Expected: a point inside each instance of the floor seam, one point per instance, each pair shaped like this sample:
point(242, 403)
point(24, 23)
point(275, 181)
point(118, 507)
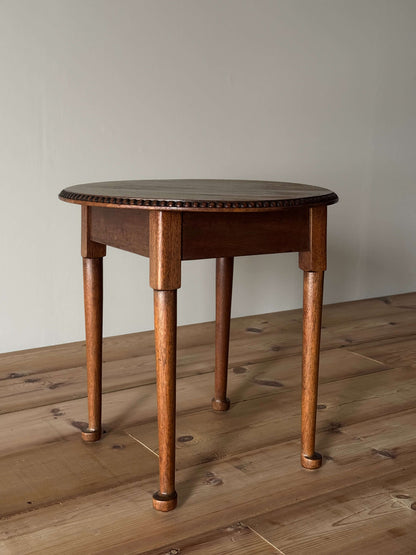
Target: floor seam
point(366, 357)
point(143, 444)
point(263, 538)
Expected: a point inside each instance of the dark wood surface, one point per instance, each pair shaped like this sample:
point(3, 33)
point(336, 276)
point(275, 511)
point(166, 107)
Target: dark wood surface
point(93, 303)
point(193, 219)
point(123, 229)
point(165, 237)
point(312, 314)
point(89, 247)
point(223, 295)
point(165, 498)
point(204, 234)
point(218, 235)
point(199, 194)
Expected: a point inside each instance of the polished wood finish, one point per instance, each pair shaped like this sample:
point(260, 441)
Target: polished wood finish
point(89, 248)
point(124, 229)
point(165, 250)
point(209, 195)
point(224, 235)
point(165, 340)
point(60, 495)
point(165, 239)
point(93, 303)
point(313, 263)
point(312, 310)
point(92, 253)
point(171, 221)
point(313, 259)
point(224, 285)
point(205, 235)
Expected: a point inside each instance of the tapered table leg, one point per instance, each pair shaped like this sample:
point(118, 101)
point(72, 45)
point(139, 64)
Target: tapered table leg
point(165, 340)
point(93, 302)
point(224, 285)
point(312, 311)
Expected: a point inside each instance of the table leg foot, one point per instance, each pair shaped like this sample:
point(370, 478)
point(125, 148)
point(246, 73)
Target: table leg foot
point(311, 463)
point(164, 502)
point(91, 435)
point(219, 405)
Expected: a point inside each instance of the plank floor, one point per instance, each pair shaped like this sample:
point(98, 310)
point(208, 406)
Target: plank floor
point(240, 485)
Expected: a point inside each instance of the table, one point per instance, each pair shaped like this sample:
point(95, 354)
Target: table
point(173, 220)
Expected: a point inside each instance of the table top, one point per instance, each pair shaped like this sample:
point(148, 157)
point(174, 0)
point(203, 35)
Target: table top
point(199, 194)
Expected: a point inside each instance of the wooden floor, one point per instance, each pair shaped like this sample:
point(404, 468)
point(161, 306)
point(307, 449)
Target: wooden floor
point(239, 481)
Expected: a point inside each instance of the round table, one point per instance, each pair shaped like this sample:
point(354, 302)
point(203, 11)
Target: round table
point(173, 220)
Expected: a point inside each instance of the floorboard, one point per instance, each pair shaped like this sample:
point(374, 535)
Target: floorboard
point(240, 485)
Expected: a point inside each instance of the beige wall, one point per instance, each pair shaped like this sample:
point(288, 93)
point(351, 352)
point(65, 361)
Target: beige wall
point(316, 91)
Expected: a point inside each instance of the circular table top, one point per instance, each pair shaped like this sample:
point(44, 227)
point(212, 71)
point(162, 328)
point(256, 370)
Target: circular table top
point(199, 194)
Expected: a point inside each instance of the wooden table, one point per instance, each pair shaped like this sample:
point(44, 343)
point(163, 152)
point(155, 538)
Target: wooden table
point(173, 220)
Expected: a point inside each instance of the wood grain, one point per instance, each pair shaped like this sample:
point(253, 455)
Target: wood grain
point(199, 194)
point(374, 517)
point(396, 352)
point(266, 420)
point(96, 498)
point(128, 230)
point(65, 527)
point(126, 407)
point(63, 470)
point(165, 240)
point(226, 235)
point(89, 248)
point(287, 217)
point(312, 311)
point(313, 259)
point(235, 538)
point(165, 498)
point(93, 303)
point(40, 389)
point(223, 294)
point(366, 319)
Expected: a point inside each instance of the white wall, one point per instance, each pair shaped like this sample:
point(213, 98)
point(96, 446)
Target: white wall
point(316, 91)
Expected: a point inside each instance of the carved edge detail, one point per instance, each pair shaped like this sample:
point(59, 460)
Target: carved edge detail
point(330, 198)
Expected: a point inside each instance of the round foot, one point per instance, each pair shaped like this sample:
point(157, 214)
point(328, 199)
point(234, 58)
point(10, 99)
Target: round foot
point(91, 435)
point(311, 463)
point(219, 405)
point(164, 501)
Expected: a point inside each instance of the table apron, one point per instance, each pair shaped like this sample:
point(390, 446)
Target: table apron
point(207, 235)
point(121, 228)
point(224, 235)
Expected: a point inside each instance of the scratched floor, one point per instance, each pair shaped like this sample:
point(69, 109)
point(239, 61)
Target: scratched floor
point(239, 482)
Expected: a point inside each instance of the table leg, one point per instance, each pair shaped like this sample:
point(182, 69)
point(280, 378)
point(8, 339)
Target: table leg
point(165, 239)
point(224, 284)
point(165, 340)
point(93, 302)
point(312, 311)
